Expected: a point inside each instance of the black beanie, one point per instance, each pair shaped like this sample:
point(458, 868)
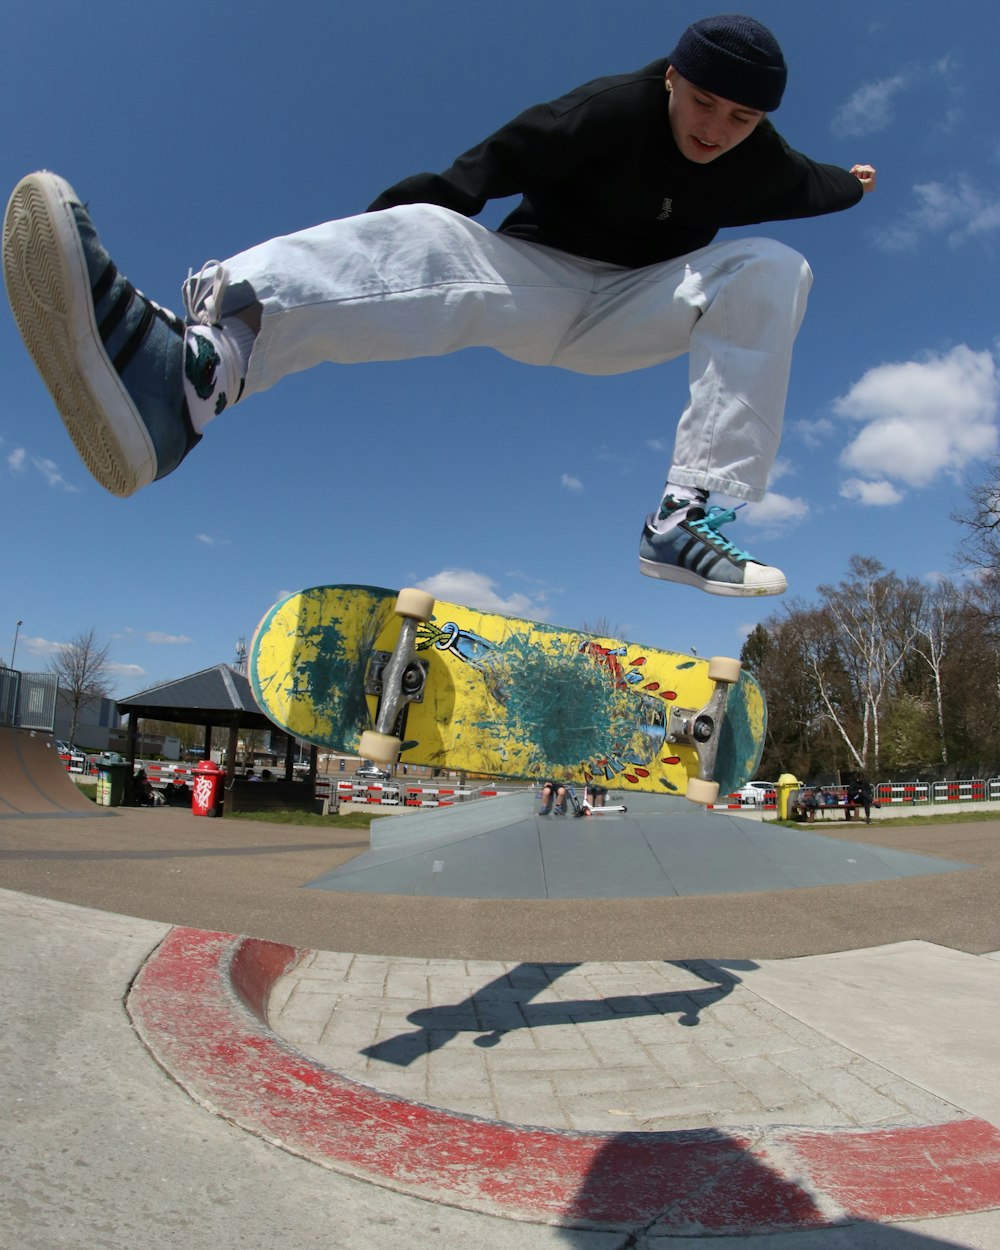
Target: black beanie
point(734, 57)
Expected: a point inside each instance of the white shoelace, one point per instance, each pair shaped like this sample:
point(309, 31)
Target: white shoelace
point(204, 292)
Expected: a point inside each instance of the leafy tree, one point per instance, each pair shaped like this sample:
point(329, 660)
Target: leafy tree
point(971, 680)
point(758, 651)
point(777, 654)
point(909, 741)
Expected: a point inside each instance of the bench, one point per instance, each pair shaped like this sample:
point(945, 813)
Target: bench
point(262, 796)
point(824, 810)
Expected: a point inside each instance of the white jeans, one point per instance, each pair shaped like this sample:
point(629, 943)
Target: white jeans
point(420, 280)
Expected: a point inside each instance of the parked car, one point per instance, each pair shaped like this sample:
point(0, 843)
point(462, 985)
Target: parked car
point(372, 772)
point(74, 759)
point(758, 793)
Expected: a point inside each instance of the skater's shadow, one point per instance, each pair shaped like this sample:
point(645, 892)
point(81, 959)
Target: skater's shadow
point(650, 1188)
point(505, 1005)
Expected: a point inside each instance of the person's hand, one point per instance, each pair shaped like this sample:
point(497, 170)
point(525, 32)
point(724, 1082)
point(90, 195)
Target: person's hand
point(865, 174)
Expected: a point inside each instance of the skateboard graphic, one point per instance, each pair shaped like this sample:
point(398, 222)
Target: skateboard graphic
point(396, 677)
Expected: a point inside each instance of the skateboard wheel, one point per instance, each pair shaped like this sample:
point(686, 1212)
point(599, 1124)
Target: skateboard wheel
point(703, 792)
point(379, 748)
point(417, 604)
point(723, 669)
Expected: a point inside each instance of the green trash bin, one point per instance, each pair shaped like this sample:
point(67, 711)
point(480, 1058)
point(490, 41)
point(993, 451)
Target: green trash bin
point(111, 782)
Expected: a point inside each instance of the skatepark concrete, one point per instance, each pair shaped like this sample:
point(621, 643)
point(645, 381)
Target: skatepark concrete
point(802, 1068)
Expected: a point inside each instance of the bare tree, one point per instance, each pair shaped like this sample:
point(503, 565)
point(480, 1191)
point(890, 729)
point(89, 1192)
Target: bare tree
point(83, 669)
point(873, 619)
point(980, 545)
point(602, 628)
point(883, 672)
point(833, 684)
point(941, 616)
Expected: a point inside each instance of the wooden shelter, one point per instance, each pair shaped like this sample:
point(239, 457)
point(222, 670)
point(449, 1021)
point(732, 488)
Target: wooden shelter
point(218, 697)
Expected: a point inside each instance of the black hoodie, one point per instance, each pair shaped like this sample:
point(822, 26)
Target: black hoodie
point(601, 177)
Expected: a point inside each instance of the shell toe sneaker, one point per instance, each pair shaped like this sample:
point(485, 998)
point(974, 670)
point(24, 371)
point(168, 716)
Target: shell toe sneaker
point(112, 360)
point(694, 552)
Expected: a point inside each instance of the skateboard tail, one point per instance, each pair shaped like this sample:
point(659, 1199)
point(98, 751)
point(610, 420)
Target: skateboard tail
point(308, 673)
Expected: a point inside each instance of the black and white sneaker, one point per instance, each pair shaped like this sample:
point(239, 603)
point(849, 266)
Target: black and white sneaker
point(694, 552)
point(112, 360)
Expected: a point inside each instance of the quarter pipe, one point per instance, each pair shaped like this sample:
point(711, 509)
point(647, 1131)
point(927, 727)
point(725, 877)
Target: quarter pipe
point(33, 780)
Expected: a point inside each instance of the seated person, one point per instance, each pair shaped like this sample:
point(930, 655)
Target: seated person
point(178, 793)
point(595, 794)
point(141, 791)
point(553, 790)
point(807, 802)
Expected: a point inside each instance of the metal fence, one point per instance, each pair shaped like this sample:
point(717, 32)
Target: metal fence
point(898, 794)
point(28, 700)
point(10, 683)
point(399, 794)
point(922, 793)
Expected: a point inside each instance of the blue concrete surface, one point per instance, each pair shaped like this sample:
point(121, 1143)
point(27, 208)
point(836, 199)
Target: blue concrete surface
point(662, 847)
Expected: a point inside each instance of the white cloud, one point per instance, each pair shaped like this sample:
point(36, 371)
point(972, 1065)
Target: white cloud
point(571, 483)
point(50, 471)
point(878, 494)
point(41, 647)
point(18, 459)
point(477, 590)
point(775, 512)
point(869, 109)
point(781, 468)
point(127, 670)
point(959, 211)
point(165, 640)
point(922, 419)
point(814, 433)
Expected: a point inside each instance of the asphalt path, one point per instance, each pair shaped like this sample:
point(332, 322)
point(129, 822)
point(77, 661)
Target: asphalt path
point(246, 877)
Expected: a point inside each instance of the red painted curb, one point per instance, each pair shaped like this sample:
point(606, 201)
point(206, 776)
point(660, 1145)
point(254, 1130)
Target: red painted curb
point(199, 1005)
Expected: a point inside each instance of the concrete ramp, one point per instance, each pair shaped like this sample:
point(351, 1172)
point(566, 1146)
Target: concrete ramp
point(34, 781)
point(662, 847)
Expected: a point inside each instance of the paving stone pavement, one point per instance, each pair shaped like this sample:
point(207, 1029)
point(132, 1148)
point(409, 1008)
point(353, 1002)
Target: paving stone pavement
point(595, 1046)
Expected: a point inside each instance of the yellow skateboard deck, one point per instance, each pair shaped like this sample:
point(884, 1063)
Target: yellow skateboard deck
point(502, 696)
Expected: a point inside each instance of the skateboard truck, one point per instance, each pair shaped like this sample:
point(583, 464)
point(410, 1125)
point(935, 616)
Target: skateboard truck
point(397, 678)
point(411, 680)
point(701, 727)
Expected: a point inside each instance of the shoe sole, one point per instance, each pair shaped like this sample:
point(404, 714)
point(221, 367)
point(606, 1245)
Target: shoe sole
point(48, 286)
point(671, 573)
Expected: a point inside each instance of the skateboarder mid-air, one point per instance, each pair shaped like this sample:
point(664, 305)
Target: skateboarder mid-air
point(607, 264)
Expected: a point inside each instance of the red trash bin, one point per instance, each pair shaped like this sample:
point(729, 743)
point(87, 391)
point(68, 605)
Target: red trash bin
point(206, 789)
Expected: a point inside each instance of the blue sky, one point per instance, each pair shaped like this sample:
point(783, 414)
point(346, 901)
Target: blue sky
point(195, 130)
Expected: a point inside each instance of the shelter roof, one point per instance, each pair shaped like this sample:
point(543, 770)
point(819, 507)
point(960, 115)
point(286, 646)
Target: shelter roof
point(215, 696)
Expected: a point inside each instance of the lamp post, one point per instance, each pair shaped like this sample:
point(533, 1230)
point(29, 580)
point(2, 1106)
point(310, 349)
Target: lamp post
point(13, 650)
